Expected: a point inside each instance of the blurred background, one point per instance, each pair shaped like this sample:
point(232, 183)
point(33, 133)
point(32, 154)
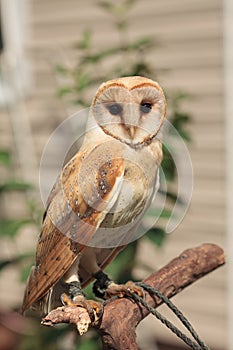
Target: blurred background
point(54, 54)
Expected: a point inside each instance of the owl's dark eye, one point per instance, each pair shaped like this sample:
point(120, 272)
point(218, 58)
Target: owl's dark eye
point(145, 107)
point(115, 109)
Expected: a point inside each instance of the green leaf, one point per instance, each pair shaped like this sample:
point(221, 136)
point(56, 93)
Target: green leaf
point(142, 43)
point(168, 167)
point(89, 344)
point(140, 68)
point(5, 263)
point(52, 335)
point(88, 291)
point(119, 10)
point(5, 158)
point(24, 273)
point(85, 42)
point(97, 57)
point(181, 118)
point(178, 97)
point(172, 196)
point(179, 121)
point(9, 228)
point(83, 81)
point(106, 5)
point(15, 260)
point(36, 211)
point(185, 135)
point(92, 342)
point(65, 90)
point(165, 214)
point(156, 235)
point(121, 267)
point(81, 102)
point(61, 69)
point(14, 185)
point(138, 45)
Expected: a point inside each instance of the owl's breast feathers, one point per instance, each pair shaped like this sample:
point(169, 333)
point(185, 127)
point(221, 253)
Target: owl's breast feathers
point(138, 187)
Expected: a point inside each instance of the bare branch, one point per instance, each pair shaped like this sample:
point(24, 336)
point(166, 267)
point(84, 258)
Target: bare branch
point(121, 317)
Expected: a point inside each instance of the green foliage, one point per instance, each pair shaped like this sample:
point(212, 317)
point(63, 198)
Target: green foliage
point(88, 72)
point(168, 164)
point(121, 267)
point(15, 185)
point(10, 228)
point(156, 235)
point(25, 270)
point(5, 158)
point(43, 338)
point(165, 214)
point(90, 343)
point(16, 260)
point(178, 118)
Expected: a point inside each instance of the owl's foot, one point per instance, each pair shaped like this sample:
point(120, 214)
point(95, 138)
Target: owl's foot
point(122, 290)
point(77, 298)
point(105, 288)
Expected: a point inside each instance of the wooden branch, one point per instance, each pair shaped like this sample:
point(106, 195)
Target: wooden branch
point(121, 317)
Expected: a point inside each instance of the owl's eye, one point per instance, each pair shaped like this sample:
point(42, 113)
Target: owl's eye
point(115, 109)
point(145, 107)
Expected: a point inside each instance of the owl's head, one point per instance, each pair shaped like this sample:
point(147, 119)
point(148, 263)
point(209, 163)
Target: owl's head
point(130, 109)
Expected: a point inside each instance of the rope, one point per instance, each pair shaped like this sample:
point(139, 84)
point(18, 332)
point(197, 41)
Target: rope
point(198, 345)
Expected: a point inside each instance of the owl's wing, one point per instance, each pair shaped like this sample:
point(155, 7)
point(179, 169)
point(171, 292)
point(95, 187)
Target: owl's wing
point(86, 190)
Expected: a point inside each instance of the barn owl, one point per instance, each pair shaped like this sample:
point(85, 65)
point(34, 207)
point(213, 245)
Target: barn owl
point(100, 197)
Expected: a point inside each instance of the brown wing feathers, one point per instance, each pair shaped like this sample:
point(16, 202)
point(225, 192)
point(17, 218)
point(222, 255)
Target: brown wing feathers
point(68, 217)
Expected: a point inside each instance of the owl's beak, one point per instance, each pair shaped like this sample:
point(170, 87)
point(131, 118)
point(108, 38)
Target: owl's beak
point(131, 131)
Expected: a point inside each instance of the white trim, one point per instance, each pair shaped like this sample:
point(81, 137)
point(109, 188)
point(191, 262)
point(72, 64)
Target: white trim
point(15, 69)
point(228, 64)
point(15, 82)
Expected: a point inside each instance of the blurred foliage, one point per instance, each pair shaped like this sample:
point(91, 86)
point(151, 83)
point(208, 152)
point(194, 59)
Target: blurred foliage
point(77, 82)
point(14, 185)
point(5, 158)
point(10, 227)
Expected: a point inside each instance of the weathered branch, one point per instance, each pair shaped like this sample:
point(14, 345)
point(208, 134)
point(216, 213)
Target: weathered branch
point(121, 317)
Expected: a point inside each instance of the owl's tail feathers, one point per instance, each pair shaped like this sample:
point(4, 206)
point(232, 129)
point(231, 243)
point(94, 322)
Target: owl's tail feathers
point(41, 306)
point(26, 299)
point(45, 304)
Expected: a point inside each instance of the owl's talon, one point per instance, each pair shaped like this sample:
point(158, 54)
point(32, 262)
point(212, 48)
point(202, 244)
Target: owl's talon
point(94, 308)
point(133, 287)
point(66, 300)
point(122, 290)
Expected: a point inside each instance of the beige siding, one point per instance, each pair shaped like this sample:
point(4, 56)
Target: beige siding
point(188, 57)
